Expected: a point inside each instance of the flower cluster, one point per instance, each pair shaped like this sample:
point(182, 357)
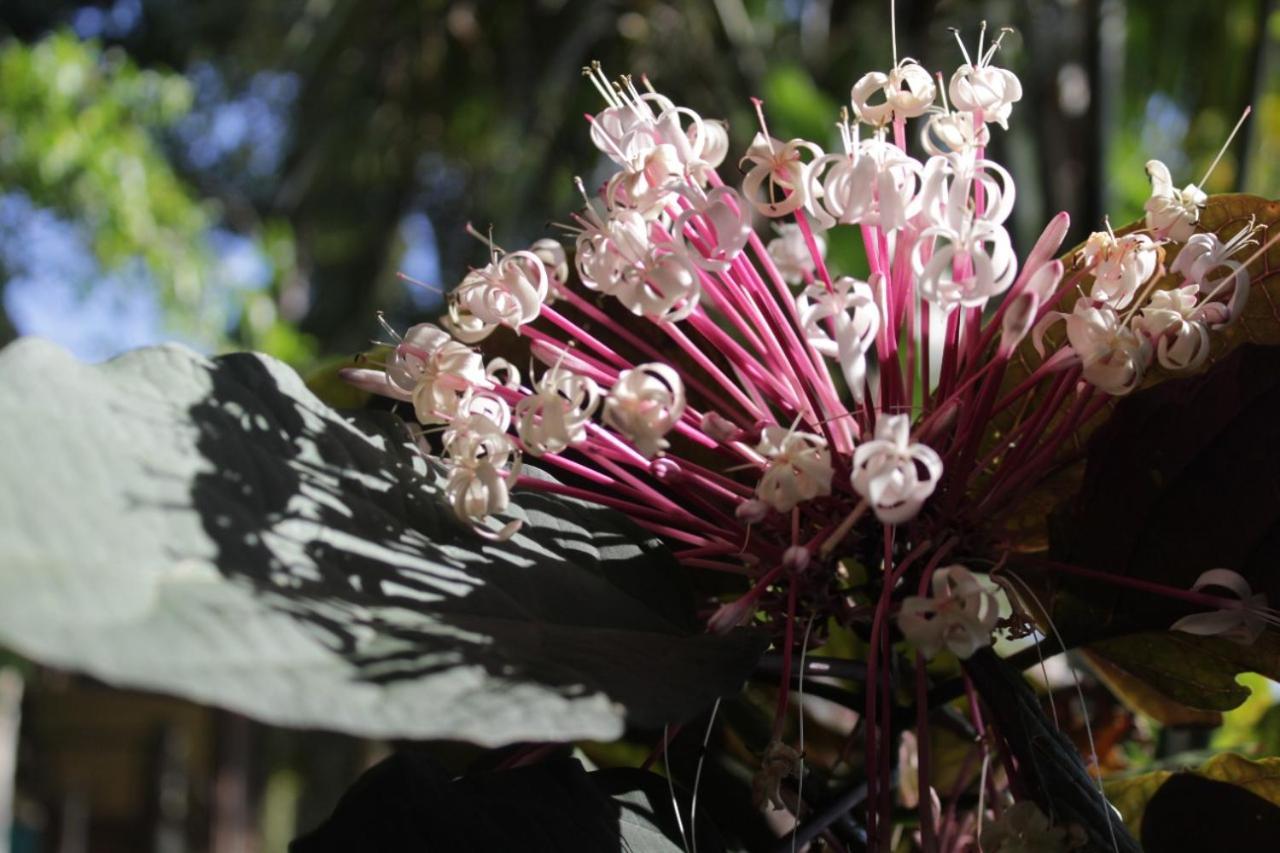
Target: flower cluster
point(768, 416)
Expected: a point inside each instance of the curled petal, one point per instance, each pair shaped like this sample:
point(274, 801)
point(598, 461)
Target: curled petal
point(893, 473)
point(1172, 213)
point(645, 404)
point(798, 468)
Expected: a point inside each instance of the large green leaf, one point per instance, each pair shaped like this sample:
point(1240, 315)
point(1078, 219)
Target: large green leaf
point(209, 528)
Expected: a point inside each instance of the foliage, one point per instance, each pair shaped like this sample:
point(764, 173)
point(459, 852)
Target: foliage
point(79, 134)
point(264, 527)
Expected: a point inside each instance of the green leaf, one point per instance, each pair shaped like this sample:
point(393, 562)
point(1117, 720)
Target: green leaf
point(408, 803)
point(210, 529)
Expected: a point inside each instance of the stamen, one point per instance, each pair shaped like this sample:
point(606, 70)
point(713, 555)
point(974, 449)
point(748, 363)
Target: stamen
point(1223, 150)
point(764, 128)
point(595, 74)
point(635, 96)
point(942, 87)
point(431, 287)
point(487, 239)
point(982, 33)
point(963, 52)
point(671, 785)
point(991, 51)
point(386, 327)
point(893, 29)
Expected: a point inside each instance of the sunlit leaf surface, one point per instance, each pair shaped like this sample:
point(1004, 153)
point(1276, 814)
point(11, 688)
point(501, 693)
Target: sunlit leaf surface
point(220, 534)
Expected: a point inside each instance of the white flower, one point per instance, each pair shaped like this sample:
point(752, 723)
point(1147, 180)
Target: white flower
point(959, 615)
point(650, 187)
point(851, 307)
point(790, 252)
point(893, 473)
point(616, 257)
point(710, 138)
point(556, 414)
point(664, 289)
point(553, 258)
point(1172, 213)
point(609, 250)
point(436, 371)
point(777, 181)
point(908, 91)
point(726, 227)
point(947, 133)
point(968, 266)
point(410, 357)
point(1023, 828)
point(798, 467)
point(508, 292)
point(1112, 356)
point(483, 462)
point(645, 404)
point(1120, 265)
point(985, 89)
point(1169, 318)
point(1204, 255)
point(1242, 622)
point(875, 183)
point(947, 189)
point(629, 129)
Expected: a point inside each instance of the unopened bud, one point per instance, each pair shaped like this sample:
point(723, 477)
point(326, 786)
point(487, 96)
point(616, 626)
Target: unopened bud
point(796, 558)
point(752, 511)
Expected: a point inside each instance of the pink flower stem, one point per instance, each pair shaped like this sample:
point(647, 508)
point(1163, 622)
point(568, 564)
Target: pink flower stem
point(819, 263)
point(1059, 361)
point(1200, 599)
point(812, 384)
point(576, 332)
point(1032, 427)
point(583, 362)
point(911, 353)
point(713, 565)
point(701, 359)
point(537, 484)
point(1042, 455)
point(879, 688)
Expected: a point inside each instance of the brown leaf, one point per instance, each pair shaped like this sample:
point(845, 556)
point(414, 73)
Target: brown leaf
point(1224, 215)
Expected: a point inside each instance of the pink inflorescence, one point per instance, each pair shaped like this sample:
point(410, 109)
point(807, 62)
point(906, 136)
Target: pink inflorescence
point(770, 417)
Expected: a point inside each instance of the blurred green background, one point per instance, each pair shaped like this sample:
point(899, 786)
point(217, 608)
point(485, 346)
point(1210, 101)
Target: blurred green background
point(254, 173)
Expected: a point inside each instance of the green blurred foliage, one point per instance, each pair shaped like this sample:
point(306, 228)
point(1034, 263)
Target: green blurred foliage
point(79, 129)
point(75, 136)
